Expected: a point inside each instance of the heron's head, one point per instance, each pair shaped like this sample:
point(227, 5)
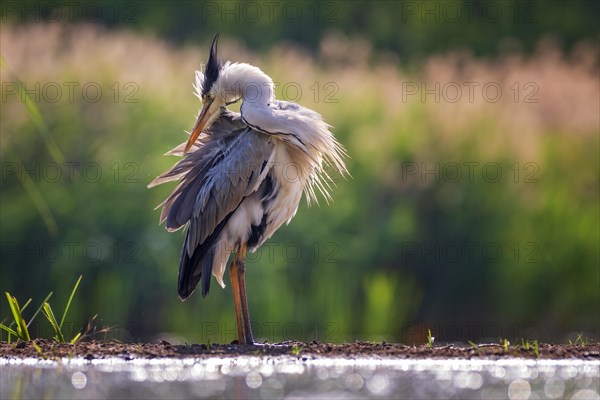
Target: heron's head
point(208, 91)
point(222, 84)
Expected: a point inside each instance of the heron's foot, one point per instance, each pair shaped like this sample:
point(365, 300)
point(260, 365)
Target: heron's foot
point(245, 343)
point(265, 344)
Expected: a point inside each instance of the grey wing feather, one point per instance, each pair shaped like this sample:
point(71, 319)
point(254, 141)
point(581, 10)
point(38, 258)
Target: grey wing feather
point(224, 129)
point(208, 152)
point(215, 179)
point(219, 189)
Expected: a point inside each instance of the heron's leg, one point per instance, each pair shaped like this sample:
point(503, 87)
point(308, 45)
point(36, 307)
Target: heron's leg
point(235, 288)
point(238, 283)
point(249, 339)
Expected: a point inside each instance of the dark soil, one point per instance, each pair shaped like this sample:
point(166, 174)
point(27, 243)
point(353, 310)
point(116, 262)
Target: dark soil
point(127, 351)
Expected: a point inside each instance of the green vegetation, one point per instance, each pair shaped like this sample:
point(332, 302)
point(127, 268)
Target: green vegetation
point(479, 218)
point(49, 314)
point(22, 332)
point(531, 345)
point(430, 339)
point(295, 350)
point(22, 326)
point(580, 341)
point(410, 29)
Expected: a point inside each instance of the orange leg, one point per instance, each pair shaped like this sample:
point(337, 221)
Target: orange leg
point(238, 286)
point(235, 288)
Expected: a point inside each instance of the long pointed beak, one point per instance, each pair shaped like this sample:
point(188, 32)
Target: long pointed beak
point(199, 126)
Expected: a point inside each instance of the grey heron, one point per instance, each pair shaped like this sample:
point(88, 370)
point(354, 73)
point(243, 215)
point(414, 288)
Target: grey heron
point(242, 175)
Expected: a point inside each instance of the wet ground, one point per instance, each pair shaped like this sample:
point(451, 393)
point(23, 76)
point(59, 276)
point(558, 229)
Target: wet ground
point(296, 370)
point(49, 349)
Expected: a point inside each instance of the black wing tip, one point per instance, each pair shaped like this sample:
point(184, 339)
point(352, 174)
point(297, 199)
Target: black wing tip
point(207, 264)
point(197, 268)
point(183, 297)
point(185, 289)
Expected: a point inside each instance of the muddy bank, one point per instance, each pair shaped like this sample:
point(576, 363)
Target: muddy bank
point(98, 350)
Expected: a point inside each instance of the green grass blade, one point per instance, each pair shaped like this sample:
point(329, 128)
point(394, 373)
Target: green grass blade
point(10, 331)
point(26, 304)
point(62, 320)
point(38, 200)
point(22, 331)
point(37, 348)
point(49, 314)
point(28, 184)
point(75, 339)
point(35, 116)
point(39, 308)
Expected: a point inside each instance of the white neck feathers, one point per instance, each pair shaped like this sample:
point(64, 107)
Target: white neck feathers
point(246, 81)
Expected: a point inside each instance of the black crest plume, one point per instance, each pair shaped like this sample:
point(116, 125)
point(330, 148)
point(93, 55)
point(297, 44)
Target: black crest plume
point(212, 68)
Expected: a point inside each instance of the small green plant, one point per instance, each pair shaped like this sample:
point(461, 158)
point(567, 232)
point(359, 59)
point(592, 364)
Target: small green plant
point(21, 330)
point(430, 339)
point(49, 314)
point(473, 344)
point(531, 345)
point(296, 350)
point(37, 348)
point(506, 344)
point(579, 340)
point(536, 348)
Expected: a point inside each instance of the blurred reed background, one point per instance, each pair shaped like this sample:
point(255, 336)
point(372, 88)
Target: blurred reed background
point(470, 212)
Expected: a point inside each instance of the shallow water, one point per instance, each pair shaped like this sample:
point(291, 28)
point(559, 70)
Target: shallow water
point(290, 378)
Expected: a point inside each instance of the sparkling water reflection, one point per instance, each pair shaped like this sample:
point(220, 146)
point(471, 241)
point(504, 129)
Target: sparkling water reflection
point(290, 378)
